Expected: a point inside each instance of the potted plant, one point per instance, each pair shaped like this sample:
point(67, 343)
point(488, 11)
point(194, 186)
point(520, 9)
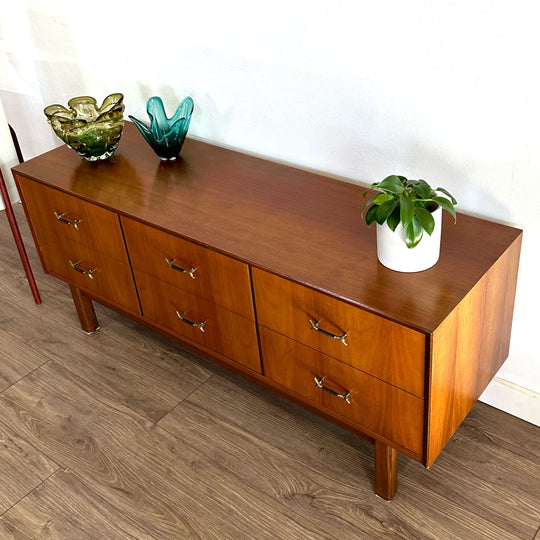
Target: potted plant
point(404, 211)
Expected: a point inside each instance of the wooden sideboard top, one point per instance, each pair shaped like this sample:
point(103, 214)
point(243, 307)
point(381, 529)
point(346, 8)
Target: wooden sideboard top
point(294, 223)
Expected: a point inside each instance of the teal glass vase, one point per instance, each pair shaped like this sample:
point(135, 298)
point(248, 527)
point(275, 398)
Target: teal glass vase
point(93, 132)
point(165, 135)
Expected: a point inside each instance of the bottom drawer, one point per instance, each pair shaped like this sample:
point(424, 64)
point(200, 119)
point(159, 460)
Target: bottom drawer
point(225, 332)
point(95, 273)
point(371, 403)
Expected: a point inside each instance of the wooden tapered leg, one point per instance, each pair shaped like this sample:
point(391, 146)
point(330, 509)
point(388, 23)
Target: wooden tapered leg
point(85, 310)
point(386, 471)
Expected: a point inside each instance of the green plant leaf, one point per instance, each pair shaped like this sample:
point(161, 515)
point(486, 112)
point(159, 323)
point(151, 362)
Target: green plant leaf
point(371, 214)
point(447, 205)
point(423, 189)
point(407, 209)
point(381, 198)
point(391, 184)
point(385, 209)
point(425, 219)
point(413, 233)
point(368, 191)
point(377, 199)
point(393, 219)
point(367, 203)
point(446, 193)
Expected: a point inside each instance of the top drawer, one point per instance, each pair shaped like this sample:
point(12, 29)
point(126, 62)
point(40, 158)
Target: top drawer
point(61, 218)
point(190, 267)
point(382, 348)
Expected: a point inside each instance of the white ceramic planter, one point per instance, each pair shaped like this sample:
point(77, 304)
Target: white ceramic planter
point(393, 252)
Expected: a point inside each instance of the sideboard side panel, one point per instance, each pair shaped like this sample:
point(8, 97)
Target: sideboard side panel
point(468, 349)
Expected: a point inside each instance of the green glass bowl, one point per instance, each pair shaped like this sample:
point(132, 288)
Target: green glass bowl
point(93, 132)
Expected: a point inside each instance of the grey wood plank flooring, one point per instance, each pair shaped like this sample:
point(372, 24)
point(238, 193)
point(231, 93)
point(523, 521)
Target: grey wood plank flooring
point(124, 434)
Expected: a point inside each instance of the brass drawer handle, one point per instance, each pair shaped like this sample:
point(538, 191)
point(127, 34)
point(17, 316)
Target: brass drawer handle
point(315, 326)
point(190, 272)
point(346, 396)
point(89, 272)
point(62, 217)
point(182, 317)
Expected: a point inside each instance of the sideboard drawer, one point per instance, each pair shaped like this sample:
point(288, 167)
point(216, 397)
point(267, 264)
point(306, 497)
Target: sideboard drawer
point(223, 331)
point(93, 272)
point(375, 405)
point(198, 270)
point(380, 347)
point(80, 243)
point(60, 218)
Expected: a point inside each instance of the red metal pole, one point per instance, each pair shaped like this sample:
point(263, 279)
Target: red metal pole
point(18, 240)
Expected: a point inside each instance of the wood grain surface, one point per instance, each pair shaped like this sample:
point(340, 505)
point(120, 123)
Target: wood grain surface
point(219, 279)
point(225, 332)
point(378, 407)
point(123, 434)
point(440, 334)
point(291, 222)
point(469, 348)
point(384, 349)
point(95, 247)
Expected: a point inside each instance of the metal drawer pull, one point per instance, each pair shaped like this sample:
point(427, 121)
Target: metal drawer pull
point(182, 317)
point(77, 268)
point(346, 396)
point(75, 222)
point(190, 272)
point(315, 326)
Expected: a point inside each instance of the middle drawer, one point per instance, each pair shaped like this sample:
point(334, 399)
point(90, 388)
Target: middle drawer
point(382, 348)
point(198, 270)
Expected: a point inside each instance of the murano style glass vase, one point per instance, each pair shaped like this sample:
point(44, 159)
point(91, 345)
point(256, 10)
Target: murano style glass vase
point(93, 132)
point(166, 135)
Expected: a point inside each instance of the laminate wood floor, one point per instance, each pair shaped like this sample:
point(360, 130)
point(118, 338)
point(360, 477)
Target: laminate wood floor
point(123, 434)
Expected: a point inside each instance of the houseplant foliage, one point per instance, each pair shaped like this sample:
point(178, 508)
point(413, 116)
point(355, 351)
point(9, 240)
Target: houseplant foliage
point(409, 203)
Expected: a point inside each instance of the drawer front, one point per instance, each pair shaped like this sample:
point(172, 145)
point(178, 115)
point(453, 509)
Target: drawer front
point(382, 348)
point(93, 272)
point(225, 332)
point(200, 271)
point(374, 405)
point(61, 218)
point(80, 243)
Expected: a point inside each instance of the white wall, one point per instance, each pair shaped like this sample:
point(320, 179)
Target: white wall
point(448, 91)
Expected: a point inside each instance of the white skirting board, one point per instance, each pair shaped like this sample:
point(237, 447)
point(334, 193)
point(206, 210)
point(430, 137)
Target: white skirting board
point(513, 399)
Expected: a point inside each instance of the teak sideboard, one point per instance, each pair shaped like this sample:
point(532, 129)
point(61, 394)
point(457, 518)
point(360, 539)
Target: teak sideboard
point(271, 271)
